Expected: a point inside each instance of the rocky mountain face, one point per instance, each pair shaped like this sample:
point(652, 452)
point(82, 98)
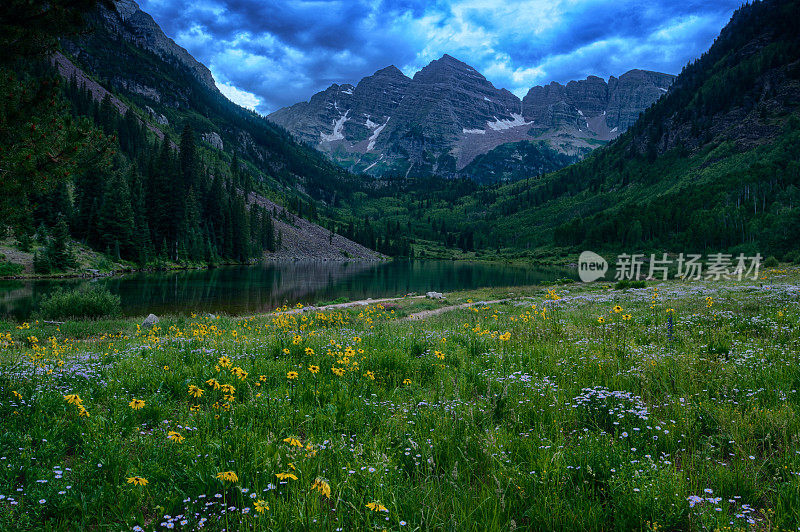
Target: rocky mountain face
point(126, 53)
point(448, 114)
point(134, 25)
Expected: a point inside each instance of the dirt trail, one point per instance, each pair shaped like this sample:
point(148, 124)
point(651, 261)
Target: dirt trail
point(411, 317)
point(428, 313)
point(359, 303)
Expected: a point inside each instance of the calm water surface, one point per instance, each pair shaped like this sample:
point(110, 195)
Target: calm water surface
point(263, 287)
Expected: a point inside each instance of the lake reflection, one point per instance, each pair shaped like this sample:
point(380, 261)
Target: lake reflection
point(263, 287)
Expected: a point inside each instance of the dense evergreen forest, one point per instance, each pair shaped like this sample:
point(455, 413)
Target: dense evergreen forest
point(138, 198)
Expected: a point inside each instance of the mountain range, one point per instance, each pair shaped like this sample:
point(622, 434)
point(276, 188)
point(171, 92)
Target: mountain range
point(448, 114)
point(703, 161)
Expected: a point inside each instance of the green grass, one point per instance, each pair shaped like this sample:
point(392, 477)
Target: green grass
point(567, 424)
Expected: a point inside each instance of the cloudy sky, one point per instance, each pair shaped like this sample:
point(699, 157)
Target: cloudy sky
point(266, 54)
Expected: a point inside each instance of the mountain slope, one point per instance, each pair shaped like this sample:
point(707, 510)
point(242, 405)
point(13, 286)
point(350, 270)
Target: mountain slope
point(127, 61)
point(448, 114)
point(711, 166)
point(130, 54)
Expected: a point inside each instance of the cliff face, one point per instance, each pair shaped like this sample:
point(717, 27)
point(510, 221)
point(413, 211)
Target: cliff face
point(137, 27)
point(448, 114)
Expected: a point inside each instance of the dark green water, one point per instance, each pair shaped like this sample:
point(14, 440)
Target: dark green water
point(250, 289)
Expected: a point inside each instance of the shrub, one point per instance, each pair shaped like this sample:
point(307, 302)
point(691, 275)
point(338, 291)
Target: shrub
point(793, 256)
point(624, 284)
point(9, 268)
point(86, 302)
point(41, 263)
point(771, 262)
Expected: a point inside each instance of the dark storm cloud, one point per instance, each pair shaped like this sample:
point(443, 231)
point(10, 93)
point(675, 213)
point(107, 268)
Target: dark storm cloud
point(268, 54)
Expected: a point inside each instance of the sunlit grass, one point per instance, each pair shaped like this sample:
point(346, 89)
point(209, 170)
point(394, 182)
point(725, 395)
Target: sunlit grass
point(675, 410)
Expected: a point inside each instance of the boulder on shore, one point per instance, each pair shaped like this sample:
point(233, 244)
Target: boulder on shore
point(434, 295)
point(149, 321)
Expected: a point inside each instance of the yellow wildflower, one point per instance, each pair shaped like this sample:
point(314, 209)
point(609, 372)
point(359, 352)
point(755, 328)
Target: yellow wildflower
point(73, 399)
point(377, 507)
point(136, 404)
point(227, 476)
point(194, 391)
point(137, 481)
point(239, 372)
point(322, 487)
point(175, 436)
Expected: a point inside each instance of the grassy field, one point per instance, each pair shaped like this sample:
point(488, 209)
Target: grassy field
point(579, 407)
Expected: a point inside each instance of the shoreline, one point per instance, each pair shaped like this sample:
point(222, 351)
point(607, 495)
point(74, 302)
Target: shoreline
point(126, 271)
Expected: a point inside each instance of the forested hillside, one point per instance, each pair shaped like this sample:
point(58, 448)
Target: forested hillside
point(111, 170)
point(713, 165)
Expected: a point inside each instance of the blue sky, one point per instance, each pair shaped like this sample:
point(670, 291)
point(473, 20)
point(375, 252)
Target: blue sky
point(267, 54)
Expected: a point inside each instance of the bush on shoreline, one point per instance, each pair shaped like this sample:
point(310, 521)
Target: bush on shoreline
point(86, 302)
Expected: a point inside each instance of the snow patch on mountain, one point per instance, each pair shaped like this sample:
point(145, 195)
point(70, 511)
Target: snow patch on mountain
point(337, 129)
point(515, 121)
point(373, 164)
point(474, 131)
point(375, 134)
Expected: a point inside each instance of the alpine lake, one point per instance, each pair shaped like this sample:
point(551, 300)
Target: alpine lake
point(241, 290)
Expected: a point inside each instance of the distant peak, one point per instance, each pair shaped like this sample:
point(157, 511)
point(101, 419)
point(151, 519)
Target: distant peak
point(449, 59)
point(390, 70)
point(447, 63)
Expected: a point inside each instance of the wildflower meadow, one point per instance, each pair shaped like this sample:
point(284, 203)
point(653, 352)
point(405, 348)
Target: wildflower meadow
point(570, 407)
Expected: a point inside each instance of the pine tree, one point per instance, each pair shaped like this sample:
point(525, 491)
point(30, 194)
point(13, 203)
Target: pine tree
point(215, 212)
point(188, 159)
point(141, 230)
point(116, 221)
point(192, 237)
point(59, 253)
